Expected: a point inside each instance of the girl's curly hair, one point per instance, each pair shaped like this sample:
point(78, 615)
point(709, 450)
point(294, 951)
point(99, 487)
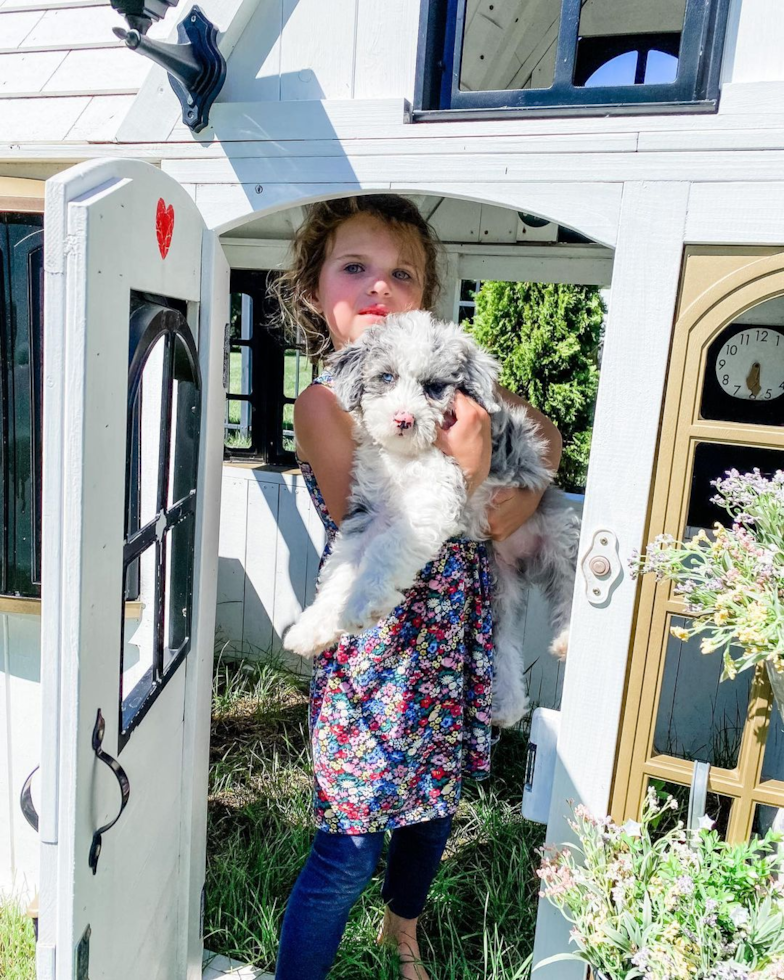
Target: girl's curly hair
point(303, 325)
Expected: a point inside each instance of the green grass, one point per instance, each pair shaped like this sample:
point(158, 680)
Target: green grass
point(17, 944)
point(480, 918)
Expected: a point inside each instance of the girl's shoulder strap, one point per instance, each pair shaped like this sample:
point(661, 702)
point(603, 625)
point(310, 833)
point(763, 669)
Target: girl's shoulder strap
point(325, 378)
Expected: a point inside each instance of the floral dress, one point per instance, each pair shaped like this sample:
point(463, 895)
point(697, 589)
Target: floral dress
point(400, 713)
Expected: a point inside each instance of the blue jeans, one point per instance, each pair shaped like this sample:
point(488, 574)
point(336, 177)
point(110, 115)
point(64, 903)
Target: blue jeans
point(335, 874)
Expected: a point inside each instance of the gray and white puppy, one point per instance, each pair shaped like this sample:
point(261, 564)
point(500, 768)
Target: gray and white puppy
point(399, 381)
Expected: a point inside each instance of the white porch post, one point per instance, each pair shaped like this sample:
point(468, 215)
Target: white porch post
point(644, 289)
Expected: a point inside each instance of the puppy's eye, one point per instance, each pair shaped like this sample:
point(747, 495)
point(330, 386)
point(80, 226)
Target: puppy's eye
point(387, 378)
point(434, 389)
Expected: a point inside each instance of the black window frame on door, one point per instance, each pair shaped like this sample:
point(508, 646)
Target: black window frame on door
point(437, 93)
point(154, 320)
point(21, 374)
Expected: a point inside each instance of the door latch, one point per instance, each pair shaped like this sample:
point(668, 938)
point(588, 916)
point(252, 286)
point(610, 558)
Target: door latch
point(601, 567)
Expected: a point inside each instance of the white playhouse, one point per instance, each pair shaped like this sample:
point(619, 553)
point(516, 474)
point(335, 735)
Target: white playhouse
point(632, 145)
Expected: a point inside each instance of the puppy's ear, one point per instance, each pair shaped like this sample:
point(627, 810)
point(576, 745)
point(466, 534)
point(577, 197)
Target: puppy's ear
point(346, 366)
point(480, 374)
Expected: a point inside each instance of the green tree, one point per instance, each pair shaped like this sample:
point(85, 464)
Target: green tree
point(546, 336)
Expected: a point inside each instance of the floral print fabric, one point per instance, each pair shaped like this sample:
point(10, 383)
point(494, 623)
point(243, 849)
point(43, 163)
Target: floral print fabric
point(400, 713)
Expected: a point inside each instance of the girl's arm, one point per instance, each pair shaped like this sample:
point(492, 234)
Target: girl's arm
point(325, 440)
point(512, 507)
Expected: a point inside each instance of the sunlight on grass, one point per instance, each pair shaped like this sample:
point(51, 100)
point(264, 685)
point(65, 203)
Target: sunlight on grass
point(17, 944)
point(480, 918)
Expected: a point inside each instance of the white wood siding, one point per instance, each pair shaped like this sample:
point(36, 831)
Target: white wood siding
point(20, 747)
point(283, 51)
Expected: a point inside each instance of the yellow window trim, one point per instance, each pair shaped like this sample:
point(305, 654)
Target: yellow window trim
point(22, 194)
point(30, 606)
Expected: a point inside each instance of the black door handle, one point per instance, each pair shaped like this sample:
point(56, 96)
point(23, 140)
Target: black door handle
point(122, 779)
point(26, 801)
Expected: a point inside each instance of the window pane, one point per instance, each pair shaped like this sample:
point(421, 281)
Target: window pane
point(178, 596)
point(288, 428)
point(297, 373)
point(744, 368)
point(509, 45)
point(711, 461)
point(773, 759)
point(767, 818)
point(628, 44)
point(608, 18)
point(718, 808)
point(136, 680)
point(698, 716)
point(468, 290)
point(617, 71)
point(184, 432)
point(238, 412)
point(662, 68)
point(147, 405)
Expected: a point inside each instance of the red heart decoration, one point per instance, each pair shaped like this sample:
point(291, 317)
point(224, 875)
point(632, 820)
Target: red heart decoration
point(164, 226)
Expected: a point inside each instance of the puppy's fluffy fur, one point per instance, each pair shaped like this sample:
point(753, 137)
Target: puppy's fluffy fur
point(398, 382)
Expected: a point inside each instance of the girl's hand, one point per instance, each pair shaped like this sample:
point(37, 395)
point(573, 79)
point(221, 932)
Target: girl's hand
point(468, 440)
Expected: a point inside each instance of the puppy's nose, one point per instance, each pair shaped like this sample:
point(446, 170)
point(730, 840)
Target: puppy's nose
point(403, 420)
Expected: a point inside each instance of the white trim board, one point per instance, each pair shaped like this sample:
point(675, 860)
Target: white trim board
point(591, 209)
point(736, 213)
point(456, 164)
point(578, 264)
point(644, 289)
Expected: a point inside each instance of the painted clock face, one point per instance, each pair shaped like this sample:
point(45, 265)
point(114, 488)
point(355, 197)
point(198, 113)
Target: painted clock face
point(750, 364)
point(744, 375)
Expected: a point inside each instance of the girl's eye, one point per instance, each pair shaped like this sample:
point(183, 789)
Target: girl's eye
point(386, 378)
point(402, 274)
point(354, 267)
point(434, 389)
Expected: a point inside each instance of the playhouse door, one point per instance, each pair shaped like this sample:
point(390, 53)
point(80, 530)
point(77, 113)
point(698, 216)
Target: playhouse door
point(136, 297)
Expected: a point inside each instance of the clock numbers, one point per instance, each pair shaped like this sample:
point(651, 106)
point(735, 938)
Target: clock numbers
point(750, 364)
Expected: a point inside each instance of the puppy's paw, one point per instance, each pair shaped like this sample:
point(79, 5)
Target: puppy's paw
point(560, 645)
point(508, 709)
point(311, 633)
point(365, 607)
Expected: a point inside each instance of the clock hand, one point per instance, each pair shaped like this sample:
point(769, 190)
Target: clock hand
point(753, 380)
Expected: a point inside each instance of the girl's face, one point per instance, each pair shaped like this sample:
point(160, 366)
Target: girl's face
point(368, 272)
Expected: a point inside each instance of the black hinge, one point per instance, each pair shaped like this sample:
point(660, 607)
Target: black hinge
point(82, 971)
point(530, 765)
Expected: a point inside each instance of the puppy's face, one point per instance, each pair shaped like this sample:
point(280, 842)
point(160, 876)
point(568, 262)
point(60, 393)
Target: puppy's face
point(400, 379)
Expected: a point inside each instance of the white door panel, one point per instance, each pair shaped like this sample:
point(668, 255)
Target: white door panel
point(121, 235)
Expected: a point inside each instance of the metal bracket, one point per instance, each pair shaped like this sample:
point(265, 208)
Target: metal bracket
point(601, 567)
point(698, 795)
point(195, 65)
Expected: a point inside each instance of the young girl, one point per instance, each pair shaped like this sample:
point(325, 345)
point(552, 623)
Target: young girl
point(401, 712)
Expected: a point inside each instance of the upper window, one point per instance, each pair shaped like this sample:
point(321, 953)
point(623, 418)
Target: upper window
point(587, 56)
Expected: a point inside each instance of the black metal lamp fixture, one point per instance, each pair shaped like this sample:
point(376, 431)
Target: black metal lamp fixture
point(196, 68)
